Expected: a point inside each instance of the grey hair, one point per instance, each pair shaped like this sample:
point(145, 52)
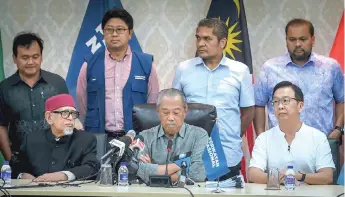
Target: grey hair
point(171, 92)
point(219, 27)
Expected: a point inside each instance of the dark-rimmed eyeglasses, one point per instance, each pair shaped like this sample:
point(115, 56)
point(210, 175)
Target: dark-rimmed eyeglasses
point(284, 101)
point(66, 114)
point(112, 30)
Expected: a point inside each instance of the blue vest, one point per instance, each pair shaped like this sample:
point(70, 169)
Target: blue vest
point(134, 92)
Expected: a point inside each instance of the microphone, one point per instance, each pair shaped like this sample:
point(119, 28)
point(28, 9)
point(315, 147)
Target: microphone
point(137, 145)
point(162, 180)
point(118, 145)
point(132, 154)
point(170, 142)
point(183, 176)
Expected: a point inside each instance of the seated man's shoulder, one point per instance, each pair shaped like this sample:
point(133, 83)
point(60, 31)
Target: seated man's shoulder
point(150, 133)
point(197, 129)
point(37, 134)
point(83, 136)
point(270, 133)
point(313, 132)
point(197, 133)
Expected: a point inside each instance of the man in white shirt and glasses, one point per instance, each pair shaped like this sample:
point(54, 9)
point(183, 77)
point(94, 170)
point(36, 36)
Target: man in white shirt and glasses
point(291, 142)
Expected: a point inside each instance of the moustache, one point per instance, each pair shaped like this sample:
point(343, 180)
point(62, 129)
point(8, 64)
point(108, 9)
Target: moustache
point(298, 49)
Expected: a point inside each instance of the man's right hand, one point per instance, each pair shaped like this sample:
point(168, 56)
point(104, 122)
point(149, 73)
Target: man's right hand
point(145, 158)
point(27, 176)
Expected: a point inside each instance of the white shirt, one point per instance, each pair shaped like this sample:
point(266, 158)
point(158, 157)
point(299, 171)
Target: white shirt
point(309, 150)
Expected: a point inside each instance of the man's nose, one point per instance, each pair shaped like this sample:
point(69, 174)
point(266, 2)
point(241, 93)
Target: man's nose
point(30, 61)
point(171, 117)
point(280, 105)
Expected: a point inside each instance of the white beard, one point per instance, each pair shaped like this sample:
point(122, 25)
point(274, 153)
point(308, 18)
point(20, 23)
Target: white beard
point(68, 131)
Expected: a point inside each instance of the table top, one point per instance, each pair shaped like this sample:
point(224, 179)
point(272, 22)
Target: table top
point(92, 189)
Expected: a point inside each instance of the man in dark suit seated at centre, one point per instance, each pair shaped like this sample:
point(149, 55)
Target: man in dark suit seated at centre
point(59, 153)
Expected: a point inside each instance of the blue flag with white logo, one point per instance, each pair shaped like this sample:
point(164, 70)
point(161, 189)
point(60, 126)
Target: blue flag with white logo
point(214, 157)
point(90, 39)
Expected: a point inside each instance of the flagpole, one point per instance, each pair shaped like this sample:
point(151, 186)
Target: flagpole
point(218, 190)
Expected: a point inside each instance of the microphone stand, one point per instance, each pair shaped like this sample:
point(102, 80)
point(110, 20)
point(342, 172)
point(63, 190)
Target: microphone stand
point(114, 163)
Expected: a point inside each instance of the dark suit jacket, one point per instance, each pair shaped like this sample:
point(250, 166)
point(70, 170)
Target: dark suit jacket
point(42, 153)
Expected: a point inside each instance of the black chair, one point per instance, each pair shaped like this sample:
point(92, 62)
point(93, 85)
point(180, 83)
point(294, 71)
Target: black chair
point(102, 140)
point(334, 144)
point(145, 116)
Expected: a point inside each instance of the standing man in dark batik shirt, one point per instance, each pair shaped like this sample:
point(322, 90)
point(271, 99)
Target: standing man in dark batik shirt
point(23, 95)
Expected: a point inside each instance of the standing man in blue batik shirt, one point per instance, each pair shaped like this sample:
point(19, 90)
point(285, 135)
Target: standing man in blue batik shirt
point(212, 78)
point(319, 77)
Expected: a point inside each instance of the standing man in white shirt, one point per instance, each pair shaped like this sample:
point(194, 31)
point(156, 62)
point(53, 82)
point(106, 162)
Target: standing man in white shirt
point(212, 78)
point(291, 142)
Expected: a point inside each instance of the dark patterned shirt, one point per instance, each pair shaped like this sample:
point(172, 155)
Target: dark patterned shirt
point(22, 107)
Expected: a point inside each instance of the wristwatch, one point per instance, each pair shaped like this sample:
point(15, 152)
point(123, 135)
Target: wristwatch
point(341, 129)
point(303, 176)
point(20, 176)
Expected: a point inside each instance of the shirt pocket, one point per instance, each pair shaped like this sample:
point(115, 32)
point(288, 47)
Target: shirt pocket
point(139, 91)
point(319, 89)
point(226, 92)
point(92, 98)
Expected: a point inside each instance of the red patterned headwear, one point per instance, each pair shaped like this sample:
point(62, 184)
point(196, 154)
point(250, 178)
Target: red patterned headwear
point(60, 100)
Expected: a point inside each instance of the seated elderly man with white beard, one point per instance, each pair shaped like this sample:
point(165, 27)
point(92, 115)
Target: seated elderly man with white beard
point(59, 153)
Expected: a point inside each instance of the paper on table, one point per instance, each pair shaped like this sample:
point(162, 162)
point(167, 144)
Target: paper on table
point(234, 182)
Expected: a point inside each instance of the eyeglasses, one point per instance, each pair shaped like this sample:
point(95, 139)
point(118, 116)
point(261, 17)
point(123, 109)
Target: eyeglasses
point(66, 114)
point(284, 101)
point(117, 30)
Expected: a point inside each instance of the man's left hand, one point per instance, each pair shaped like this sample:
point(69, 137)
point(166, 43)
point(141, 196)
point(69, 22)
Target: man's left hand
point(51, 177)
point(335, 134)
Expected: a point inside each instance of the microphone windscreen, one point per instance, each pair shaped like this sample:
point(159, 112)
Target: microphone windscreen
point(170, 142)
point(140, 137)
point(127, 140)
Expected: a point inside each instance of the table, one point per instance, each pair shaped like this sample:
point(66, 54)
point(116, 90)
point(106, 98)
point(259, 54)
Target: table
point(250, 190)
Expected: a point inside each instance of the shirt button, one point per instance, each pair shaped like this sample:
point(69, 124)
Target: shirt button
point(117, 87)
point(117, 75)
point(35, 121)
point(33, 105)
point(117, 100)
point(32, 90)
point(53, 162)
point(57, 146)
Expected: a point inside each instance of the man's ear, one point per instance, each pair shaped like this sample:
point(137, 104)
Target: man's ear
point(223, 43)
point(48, 117)
point(300, 106)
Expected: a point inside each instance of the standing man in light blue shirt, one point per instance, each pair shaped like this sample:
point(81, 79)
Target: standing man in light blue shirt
point(212, 78)
point(319, 77)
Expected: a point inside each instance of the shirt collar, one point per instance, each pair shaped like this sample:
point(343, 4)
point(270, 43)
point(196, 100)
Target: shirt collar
point(288, 60)
point(128, 52)
point(222, 62)
point(181, 133)
point(297, 133)
point(15, 79)
point(52, 138)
